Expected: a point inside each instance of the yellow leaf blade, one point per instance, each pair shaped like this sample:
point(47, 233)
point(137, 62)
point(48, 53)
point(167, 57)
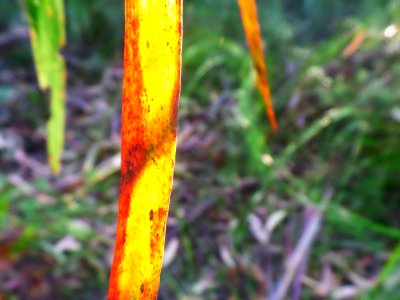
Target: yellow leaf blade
point(152, 70)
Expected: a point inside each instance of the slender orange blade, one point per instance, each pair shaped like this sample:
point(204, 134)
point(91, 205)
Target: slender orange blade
point(152, 71)
point(354, 44)
point(248, 10)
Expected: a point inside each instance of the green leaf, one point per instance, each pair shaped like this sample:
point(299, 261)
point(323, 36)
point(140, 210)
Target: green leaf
point(46, 27)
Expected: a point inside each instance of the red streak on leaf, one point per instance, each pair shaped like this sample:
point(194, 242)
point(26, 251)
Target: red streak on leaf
point(132, 149)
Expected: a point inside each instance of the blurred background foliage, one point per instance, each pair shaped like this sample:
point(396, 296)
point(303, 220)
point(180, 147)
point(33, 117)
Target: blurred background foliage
point(243, 197)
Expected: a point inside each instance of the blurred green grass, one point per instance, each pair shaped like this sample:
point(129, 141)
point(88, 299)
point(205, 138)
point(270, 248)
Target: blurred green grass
point(336, 150)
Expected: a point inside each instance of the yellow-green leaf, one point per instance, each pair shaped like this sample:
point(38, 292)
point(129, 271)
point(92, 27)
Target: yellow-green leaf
point(46, 28)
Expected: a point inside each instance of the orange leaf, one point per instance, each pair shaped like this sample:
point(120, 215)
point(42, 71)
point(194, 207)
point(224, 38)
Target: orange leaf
point(152, 71)
point(248, 10)
point(354, 44)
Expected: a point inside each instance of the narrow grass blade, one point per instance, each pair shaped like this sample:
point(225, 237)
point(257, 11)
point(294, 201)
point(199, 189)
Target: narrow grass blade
point(248, 10)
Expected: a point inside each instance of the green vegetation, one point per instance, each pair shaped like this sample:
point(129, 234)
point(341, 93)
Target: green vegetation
point(47, 32)
point(336, 153)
